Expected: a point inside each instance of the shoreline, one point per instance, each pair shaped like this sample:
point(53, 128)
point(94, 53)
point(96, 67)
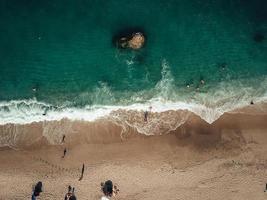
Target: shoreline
point(23, 112)
point(126, 124)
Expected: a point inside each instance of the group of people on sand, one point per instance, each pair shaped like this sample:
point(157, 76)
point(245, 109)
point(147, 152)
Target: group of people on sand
point(108, 188)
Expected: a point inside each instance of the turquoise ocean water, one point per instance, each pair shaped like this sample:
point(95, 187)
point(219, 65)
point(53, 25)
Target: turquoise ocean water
point(65, 50)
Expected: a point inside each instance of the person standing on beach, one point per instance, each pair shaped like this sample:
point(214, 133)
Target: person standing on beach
point(70, 194)
point(64, 153)
point(63, 139)
point(82, 173)
point(37, 190)
point(73, 197)
point(146, 114)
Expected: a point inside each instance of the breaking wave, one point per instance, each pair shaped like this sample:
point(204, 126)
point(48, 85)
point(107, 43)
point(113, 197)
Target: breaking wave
point(168, 106)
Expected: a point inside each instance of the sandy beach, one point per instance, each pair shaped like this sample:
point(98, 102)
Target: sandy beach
point(167, 99)
point(225, 160)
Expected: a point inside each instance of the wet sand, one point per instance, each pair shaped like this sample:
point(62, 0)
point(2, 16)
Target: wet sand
point(225, 160)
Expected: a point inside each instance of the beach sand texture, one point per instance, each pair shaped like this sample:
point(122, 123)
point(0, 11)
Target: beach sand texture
point(224, 160)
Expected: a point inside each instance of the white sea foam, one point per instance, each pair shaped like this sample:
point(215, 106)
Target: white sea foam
point(224, 97)
point(28, 111)
point(161, 121)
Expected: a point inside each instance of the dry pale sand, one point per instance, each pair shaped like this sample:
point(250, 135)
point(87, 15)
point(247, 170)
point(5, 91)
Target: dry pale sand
point(226, 160)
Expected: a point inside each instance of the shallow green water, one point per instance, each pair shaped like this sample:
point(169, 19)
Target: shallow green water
point(65, 51)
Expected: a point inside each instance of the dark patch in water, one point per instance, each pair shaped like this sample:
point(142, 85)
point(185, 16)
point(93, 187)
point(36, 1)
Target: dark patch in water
point(258, 37)
point(105, 79)
point(139, 58)
point(222, 65)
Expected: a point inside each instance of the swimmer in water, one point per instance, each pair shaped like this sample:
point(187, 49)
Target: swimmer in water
point(223, 66)
point(45, 111)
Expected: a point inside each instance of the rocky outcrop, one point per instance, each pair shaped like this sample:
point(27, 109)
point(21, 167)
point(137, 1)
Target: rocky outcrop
point(134, 41)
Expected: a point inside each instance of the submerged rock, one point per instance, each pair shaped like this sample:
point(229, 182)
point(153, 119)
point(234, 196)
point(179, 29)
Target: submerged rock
point(134, 41)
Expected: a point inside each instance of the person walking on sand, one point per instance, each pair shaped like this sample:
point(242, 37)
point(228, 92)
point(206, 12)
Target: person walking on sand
point(63, 138)
point(82, 173)
point(145, 116)
point(64, 153)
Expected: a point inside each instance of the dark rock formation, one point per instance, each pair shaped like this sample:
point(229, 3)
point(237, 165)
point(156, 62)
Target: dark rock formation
point(134, 41)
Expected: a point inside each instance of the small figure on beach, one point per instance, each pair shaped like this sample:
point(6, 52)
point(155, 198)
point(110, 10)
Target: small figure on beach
point(37, 190)
point(251, 102)
point(81, 177)
point(63, 139)
point(202, 81)
point(64, 153)
point(70, 194)
point(145, 116)
point(109, 190)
